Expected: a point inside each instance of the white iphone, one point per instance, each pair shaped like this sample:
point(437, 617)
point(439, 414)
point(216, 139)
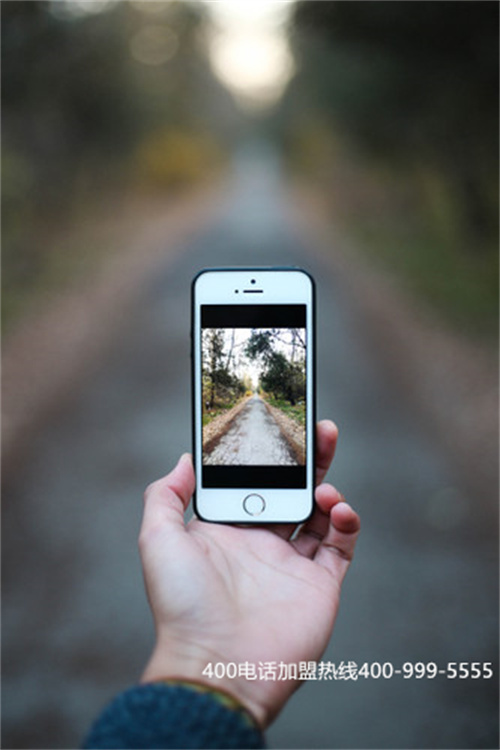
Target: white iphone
point(253, 378)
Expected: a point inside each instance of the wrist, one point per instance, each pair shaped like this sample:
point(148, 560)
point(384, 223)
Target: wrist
point(174, 665)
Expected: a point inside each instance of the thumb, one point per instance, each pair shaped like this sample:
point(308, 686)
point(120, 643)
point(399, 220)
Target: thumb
point(166, 499)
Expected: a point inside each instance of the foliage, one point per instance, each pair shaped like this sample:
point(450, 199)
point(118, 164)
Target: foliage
point(282, 375)
point(171, 158)
point(284, 379)
point(94, 107)
point(220, 408)
point(220, 388)
point(394, 109)
point(297, 412)
point(422, 76)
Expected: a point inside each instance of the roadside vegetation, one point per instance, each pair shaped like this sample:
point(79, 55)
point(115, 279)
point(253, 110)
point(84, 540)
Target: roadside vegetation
point(297, 412)
point(228, 357)
point(392, 118)
point(222, 407)
point(221, 388)
point(107, 107)
point(283, 379)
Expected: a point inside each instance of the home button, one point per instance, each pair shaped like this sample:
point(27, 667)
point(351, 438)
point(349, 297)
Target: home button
point(254, 504)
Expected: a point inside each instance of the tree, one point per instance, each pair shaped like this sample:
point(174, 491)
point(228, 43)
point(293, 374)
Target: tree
point(283, 379)
point(219, 384)
point(410, 82)
point(212, 349)
point(282, 375)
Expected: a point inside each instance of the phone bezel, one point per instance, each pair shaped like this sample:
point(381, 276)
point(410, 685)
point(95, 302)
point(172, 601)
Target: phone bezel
point(282, 505)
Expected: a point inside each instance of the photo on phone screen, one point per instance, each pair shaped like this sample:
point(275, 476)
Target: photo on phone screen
point(253, 390)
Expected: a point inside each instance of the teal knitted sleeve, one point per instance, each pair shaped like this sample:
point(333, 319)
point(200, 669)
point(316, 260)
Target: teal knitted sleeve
point(163, 715)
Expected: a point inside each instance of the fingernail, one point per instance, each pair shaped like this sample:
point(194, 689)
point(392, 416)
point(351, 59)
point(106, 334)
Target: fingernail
point(330, 423)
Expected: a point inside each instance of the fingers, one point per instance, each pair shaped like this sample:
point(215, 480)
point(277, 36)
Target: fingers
point(337, 547)
point(168, 497)
point(312, 533)
point(329, 537)
point(326, 442)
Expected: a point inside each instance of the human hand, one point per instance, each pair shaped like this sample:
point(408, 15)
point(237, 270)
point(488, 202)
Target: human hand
point(223, 593)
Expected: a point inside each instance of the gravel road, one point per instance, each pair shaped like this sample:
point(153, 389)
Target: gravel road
point(424, 584)
point(253, 438)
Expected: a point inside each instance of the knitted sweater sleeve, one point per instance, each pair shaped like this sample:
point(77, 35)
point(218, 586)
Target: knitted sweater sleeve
point(162, 715)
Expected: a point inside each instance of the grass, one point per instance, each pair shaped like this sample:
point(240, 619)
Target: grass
point(219, 408)
point(297, 412)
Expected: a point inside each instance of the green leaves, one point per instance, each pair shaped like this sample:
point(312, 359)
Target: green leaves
point(281, 354)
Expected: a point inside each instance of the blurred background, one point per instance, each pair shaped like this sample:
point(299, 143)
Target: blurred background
point(145, 140)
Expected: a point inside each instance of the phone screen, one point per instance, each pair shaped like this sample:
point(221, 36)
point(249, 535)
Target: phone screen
point(253, 391)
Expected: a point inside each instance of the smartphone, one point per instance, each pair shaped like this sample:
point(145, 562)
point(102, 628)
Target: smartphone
point(253, 385)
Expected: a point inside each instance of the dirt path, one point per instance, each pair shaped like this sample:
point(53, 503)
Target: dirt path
point(254, 438)
point(424, 583)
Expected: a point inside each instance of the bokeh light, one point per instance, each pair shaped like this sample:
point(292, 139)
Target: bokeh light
point(79, 8)
point(249, 49)
point(154, 44)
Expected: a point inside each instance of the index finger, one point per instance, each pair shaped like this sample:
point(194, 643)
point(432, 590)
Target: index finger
point(326, 442)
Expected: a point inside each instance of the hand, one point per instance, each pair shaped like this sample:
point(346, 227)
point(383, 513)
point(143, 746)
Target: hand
point(223, 593)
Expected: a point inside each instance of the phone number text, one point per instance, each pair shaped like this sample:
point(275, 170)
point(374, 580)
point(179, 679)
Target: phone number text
point(348, 670)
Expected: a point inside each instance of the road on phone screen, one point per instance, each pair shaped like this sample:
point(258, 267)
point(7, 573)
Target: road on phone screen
point(76, 627)
point(252, 438)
